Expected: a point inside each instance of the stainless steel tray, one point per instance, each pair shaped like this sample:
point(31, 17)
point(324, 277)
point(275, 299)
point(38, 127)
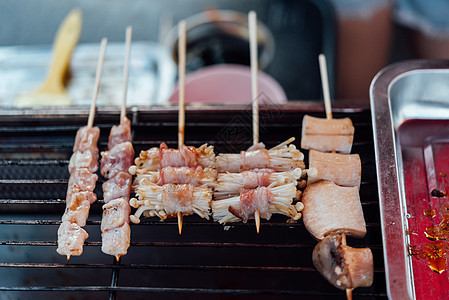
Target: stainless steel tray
point(410, 113)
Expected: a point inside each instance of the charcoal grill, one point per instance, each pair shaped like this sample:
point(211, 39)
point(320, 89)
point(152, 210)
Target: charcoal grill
point(205, 261)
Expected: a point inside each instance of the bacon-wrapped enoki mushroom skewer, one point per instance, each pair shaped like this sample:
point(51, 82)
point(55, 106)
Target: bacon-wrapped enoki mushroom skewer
point(257, 191)
point(232, 184)
point(82, 166)
point(115, 163)
point(281, 158)
point(170, 182)
point(266, 200)
point(174, 182)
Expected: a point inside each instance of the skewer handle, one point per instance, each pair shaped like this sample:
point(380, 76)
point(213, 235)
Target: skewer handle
point(252, 23)
point(325, 85)
point(104, 43)
point(181, 81)
point(129, 32)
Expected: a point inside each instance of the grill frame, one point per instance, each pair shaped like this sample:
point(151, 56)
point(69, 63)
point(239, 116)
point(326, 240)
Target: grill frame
point(61, 124)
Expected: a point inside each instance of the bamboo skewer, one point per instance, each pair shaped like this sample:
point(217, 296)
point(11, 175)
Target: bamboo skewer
point(325, 85)
point(348, 291)
point(129, 32)
point(181, 95)
point(328, 108)
point(90, 121)
point(252, 23)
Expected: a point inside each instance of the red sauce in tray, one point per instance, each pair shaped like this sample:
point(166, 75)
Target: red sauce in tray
point(425, 156)
point(428, 212)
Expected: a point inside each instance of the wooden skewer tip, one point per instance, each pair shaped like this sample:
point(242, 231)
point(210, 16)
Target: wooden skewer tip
point(179, 223)
point(349, 294)
point(257, 219)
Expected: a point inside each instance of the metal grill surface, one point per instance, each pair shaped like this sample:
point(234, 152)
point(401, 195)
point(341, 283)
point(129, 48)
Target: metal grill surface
point(205, 261)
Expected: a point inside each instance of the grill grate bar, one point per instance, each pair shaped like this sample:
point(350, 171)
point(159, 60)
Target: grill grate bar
point(163, 244)
point(158, 223)
point(60, 162)
point(181, 290)
point(163, 267)
point(155, 267)
point(33, 181)
point(175, 244)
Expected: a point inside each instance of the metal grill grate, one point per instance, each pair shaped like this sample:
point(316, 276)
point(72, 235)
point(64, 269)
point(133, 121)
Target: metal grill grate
point(205, 261)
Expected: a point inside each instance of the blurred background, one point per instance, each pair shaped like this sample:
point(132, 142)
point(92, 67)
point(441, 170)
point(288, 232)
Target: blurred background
point(357, 37)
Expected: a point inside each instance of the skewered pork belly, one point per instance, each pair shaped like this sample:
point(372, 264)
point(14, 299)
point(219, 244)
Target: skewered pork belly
point(85, 151)
point(118, 186)
point(83, 179)
point(120, 133)
point(116, 241)
point(342, 169)
point(343, 266)
point(117, 159)
point(80, 196)
point(71, 239)
point(116, 190)
point(267, 200)
point(329, 208)
point(327, 135)
point(86, 138)
point(280, 158)
point(78, 205)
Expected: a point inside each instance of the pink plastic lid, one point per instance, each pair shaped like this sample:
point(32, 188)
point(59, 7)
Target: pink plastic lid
point(228, 84)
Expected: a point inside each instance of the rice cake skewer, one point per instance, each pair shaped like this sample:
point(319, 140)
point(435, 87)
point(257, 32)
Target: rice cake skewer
point(334, 170)
point(83, 163)
point(343, 169)
point(115, 163)
point(329, 134)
